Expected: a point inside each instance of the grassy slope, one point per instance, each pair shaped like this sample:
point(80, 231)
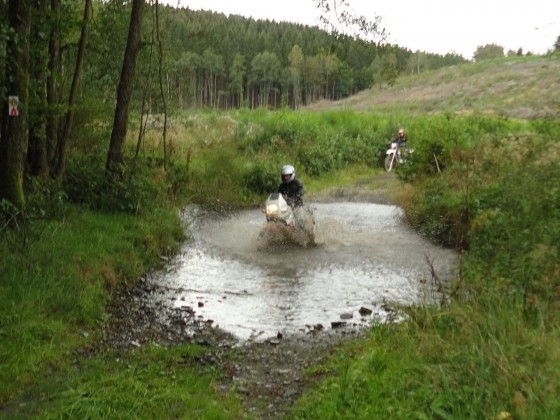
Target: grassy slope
point(518, 87)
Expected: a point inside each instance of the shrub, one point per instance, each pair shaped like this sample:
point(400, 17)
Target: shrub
point(89, 185)
point(261, 179)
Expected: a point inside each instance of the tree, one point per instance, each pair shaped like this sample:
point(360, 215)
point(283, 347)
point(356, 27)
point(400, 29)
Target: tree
point(488, 52)
point(37, 146)
point(213, 65)
point(63, 140)
point(384, 69)
point(296, 59)
point(312, 78)
point(13, 133)
point(417, 62)
point(338, 17)
point(236, 74)
point(54, 65)
point(557, 45)
point(331, 65)
point(186, 68)
point(124, 93)
point(265, 70)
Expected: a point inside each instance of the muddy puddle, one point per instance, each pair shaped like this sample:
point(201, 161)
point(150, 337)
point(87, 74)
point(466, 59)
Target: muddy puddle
point(364, 257)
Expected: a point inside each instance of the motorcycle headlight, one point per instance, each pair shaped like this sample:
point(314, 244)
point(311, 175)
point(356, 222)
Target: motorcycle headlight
point(271, 209)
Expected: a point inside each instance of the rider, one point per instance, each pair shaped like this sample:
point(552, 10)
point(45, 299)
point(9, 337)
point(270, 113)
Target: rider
point(401, 141)
point(401, 138)
point(291, 188)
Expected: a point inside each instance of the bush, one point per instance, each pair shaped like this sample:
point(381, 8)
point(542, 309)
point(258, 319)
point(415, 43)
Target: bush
point(90, 186)
point(261, 179)
point(45, 198)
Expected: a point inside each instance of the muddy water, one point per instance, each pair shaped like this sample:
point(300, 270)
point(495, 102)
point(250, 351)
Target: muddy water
point(364, 257)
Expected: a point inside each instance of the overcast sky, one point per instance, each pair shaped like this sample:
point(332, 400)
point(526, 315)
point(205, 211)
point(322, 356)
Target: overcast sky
point(438, 26)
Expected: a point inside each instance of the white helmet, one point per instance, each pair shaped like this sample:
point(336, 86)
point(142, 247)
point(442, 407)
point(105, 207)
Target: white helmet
point(288, 173)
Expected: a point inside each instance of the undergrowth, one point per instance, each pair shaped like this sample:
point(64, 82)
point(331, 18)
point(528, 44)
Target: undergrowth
point(486, 186)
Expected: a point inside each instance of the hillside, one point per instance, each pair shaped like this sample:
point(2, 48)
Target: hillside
point(519, 87)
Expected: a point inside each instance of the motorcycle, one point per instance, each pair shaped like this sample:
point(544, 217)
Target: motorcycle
point(395, 155)
point(287, 225)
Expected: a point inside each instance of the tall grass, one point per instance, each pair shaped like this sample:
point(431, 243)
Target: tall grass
point(487, 186)
point(464, 361)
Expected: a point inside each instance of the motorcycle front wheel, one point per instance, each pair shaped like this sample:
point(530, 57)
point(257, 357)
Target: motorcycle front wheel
point(389, 159)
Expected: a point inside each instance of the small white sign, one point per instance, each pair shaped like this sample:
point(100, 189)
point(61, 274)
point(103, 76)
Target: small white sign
point(13, 102)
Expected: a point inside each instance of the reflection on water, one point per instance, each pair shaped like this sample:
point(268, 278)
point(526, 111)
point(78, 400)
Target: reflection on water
point(364, 256)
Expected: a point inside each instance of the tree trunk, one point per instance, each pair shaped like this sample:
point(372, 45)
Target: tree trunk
point(63, 140)
point(124, 93)
point(13, 137)
point(37, 150)
point(54, 66)
point(162, 93)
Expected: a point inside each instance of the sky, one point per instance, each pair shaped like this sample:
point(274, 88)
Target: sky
point(435, 26)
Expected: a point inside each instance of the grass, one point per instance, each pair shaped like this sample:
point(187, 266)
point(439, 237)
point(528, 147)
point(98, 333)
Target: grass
point(54, 289)
point(152, 382)
point(479, 181)
point(512, 87)
point(348, 177)
point(463, 361)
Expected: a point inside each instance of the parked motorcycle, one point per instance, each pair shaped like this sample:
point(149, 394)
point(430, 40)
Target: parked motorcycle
point(285, 225)
point(396, 155)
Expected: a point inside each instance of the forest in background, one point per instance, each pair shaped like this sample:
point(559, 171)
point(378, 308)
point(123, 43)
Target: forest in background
point(230, 61)
point(212, 60)
point(71, 66)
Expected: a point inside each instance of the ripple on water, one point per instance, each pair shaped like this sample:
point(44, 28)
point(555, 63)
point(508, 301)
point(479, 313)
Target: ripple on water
point(364, 257)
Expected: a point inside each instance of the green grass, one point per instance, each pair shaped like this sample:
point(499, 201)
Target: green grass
point(483, 183)
point(350, 176)
point(465, 361)
point(54, 288)
point(152, 382)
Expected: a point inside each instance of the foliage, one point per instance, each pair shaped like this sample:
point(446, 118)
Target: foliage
point(316, 143)
point(515, 230)
point(329, 65)
point(464, 361)
point(556, 47)
point(46, 198)
point(484, 184)
point(261, 179)
point(488, 52)
point(150, 383)
point(131, 191)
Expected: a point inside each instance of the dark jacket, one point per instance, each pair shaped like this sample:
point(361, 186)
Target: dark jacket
point(400, 140)
point(292, 192)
